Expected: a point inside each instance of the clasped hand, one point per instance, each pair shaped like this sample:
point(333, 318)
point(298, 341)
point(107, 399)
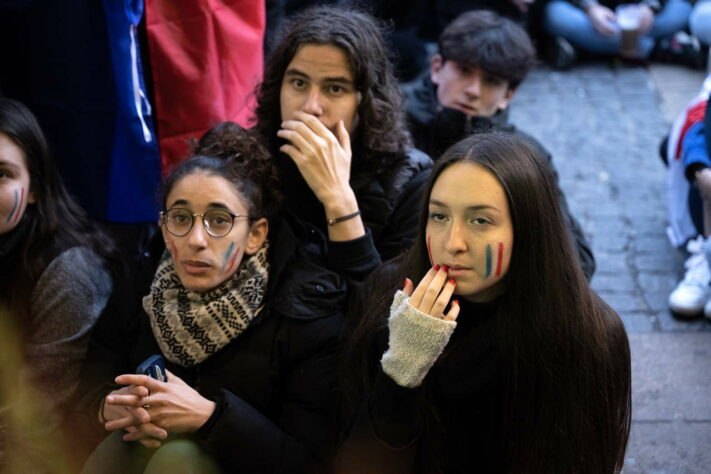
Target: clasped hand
point(149, 409)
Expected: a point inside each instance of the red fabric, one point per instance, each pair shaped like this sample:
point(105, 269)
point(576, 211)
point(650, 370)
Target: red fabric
point(206, 59)
point(693, 115)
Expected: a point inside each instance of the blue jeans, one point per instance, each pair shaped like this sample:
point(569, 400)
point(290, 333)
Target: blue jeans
point(570, 22)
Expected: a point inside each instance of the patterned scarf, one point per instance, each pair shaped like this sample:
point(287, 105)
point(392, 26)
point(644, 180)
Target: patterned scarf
point(189, 325)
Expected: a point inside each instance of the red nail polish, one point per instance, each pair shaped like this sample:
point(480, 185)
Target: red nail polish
point(455, 302)
point(436, 267)
point(446, 268)
point(405, 284)
point(451, 280)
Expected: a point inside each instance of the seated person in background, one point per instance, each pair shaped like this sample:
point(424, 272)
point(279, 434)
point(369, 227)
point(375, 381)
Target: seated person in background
point(687, 154)
point(247, 319)
point(592, 26)
point(482, 59)
point(329, 109)
point(526, 371)
point(55, 276)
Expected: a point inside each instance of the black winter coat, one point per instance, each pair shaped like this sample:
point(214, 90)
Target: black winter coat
point(435, 128)
point(389, 200)
point(274, 384)
point(449, 424)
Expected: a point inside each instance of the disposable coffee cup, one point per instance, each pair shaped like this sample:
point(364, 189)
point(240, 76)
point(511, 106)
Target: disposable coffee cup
point(628, 20)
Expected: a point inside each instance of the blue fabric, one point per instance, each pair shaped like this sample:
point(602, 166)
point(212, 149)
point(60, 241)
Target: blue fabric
point(570, 22)
point(135, 162)
point(693, 147)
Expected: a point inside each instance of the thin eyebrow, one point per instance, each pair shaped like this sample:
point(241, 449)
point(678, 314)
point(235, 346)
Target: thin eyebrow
point(9, 164)
point(336, 79)
point(478, 207)
point(211, 205)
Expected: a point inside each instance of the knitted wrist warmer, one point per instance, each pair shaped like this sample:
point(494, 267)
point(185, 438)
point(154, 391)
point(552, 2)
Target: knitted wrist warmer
point(415, 342)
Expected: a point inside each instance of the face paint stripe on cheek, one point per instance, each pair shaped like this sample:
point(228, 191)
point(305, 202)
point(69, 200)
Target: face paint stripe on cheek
point(429, 250)
point(233, 260)
point(22, 199)
point(14, 207)
point(500, 259)
point(488, 261)
point(227, 254)
point(174, 249)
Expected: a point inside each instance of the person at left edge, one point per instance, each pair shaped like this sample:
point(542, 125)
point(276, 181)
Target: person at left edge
point(56, 268)
point(247, 318)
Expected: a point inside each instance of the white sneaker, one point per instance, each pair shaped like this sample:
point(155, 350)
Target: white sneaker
point(707, 310)
point(691, 295)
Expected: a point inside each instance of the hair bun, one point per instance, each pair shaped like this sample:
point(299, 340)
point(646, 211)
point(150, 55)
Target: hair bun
point(246, 154)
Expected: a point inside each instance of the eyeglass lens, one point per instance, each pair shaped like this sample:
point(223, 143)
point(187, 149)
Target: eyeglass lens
point(218, 223)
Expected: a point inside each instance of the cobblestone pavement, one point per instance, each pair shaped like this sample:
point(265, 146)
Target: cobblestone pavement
point(603, 125)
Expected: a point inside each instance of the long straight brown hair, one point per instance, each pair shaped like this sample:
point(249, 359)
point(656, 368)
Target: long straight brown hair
point(565, 352)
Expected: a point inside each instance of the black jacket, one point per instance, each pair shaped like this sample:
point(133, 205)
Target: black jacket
point(435, 128)
point(274, 384)
point(389, 200)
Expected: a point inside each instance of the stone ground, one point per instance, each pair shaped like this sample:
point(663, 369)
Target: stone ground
point(603, 124)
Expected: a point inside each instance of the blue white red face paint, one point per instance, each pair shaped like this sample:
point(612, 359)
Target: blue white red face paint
point(429, 250)
point(15, 212)
point(229, 257)
point(499, 260)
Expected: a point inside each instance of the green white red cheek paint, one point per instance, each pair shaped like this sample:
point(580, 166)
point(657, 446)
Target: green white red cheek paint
point(229, 257)
point(14, 215)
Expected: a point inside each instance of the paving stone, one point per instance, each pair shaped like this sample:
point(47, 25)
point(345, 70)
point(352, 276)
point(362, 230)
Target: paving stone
point(671, 376)
point(670, 323)
point(669, 448)
point(622, 282)
point(623, 302)
point(636, 322)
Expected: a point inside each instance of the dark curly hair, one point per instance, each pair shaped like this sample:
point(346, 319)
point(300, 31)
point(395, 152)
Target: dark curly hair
point(485, 39)
point(239, 156)
point(382, 128)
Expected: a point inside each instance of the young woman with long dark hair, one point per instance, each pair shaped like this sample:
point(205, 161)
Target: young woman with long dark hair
point(527, 370)
point(55, 277)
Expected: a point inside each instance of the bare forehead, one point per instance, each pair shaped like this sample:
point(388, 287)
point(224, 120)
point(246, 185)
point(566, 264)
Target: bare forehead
point(468, 184)
point(204, 189)
point(321, 61)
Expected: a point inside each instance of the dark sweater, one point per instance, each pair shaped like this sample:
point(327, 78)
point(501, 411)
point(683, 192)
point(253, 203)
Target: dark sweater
point(448, 424)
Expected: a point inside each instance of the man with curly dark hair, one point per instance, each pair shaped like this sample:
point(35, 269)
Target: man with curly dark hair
point(330, 110)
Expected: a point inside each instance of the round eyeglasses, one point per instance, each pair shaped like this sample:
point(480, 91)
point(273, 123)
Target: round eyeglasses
point(218, 222)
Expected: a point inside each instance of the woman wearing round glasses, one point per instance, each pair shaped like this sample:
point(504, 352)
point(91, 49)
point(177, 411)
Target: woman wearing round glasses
point(246, 317)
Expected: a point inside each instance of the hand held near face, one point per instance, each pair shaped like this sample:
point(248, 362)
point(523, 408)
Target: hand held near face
point(419, 329)
point(324, 161)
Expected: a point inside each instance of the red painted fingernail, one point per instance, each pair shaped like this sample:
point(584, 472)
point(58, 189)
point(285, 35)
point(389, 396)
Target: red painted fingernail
point(436, 267)
point(451, 280)
point(405, 284)
point(455, 302)
point(446, 268)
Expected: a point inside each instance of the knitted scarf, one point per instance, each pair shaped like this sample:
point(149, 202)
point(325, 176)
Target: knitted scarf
point(189, 325)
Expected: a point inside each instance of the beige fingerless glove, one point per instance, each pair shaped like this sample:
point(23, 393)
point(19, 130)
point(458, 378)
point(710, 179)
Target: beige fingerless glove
point(415, 342)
